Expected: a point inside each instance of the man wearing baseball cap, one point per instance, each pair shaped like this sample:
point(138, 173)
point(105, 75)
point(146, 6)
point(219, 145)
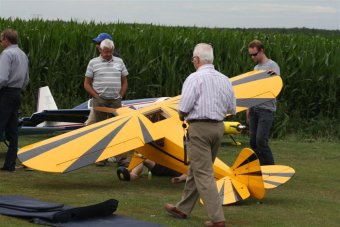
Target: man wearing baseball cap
point(100, 38)
point(106, 83)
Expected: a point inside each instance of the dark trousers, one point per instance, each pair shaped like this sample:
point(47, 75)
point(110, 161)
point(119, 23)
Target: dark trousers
point(9, 108)
point(97, 116)
point(259, 128)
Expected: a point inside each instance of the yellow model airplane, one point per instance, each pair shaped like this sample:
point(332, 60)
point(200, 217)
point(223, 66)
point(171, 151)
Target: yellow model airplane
point(156, 132)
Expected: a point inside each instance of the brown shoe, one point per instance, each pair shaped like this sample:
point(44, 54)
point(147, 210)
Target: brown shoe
point(174, 211)
point(215, 224)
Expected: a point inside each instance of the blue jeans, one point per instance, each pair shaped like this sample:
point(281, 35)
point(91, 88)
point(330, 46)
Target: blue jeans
point(259, 128)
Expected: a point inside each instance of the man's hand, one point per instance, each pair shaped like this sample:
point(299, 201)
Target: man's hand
point(247, 117)
point(182, 115)
point(271, 72)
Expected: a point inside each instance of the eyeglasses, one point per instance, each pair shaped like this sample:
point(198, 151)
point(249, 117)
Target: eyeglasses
point(254, 55)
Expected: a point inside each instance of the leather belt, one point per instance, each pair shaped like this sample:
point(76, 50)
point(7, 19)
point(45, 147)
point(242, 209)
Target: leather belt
point(203, 120)
point(11, 89)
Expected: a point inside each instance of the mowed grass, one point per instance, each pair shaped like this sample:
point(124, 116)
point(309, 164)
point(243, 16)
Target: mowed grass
point(310, 198)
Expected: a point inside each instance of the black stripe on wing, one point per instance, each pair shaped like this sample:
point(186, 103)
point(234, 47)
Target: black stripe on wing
point(251, 158)
point(257, 173)
point(278, 174)
point(146, 134)
point(23, 157)
point(250, 102)
point(94, 152)
point(255, 77)
point(236, 194)
point(272, 182)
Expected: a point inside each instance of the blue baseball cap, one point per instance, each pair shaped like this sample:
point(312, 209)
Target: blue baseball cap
point(101, 37)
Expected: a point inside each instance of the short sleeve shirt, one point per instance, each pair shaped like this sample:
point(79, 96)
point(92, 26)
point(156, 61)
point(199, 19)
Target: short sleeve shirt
point(106, 76)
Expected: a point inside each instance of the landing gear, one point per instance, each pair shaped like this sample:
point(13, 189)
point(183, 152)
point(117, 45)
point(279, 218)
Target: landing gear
point(123, 173)
point(234, 142)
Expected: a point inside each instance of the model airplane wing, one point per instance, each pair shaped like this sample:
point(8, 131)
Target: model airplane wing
point(90, 144)
point(251, 89)
point(255, 87)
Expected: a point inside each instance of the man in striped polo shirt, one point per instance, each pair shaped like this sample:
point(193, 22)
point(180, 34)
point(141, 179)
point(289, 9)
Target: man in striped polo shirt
point(207, 96)
point(106, 81)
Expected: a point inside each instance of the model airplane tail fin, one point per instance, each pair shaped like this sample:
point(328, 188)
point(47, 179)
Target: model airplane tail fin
point(247, 170)
point(244, 179)
point(45, 100)
point(275, 175)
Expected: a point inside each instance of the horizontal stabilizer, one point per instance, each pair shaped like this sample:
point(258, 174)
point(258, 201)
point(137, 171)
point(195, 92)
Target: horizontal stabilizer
point(275, 175)
point(231, 191)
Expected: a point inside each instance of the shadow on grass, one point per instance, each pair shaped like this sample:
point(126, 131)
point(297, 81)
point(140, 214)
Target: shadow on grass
point(93, 179)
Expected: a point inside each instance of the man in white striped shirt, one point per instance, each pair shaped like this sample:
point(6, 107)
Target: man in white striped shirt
point(106, 81)
point(207, 96)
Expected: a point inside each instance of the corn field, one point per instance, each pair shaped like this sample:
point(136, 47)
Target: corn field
point(158, 59)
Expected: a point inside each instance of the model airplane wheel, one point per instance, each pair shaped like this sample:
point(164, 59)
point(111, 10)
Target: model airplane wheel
point(123, 173)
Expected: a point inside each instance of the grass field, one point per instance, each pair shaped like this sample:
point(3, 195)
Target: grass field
point(310, 198)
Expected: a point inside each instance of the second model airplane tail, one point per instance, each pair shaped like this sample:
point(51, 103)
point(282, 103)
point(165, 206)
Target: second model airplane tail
point(247, 178)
